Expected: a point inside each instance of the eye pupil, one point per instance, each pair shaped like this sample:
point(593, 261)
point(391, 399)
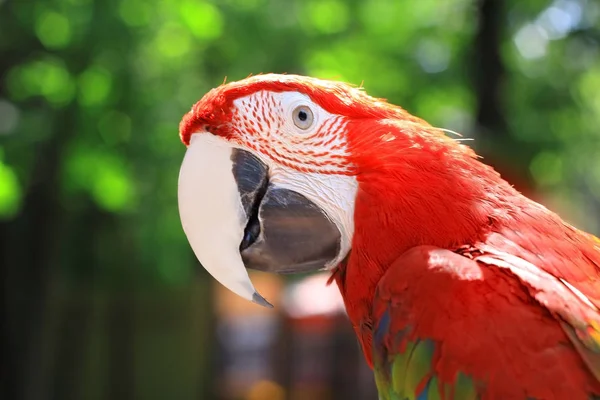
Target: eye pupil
point(302, 117)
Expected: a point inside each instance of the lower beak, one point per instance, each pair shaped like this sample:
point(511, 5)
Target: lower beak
point(234, 218)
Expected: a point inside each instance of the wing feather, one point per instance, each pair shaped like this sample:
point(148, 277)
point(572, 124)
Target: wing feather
point(478, 326)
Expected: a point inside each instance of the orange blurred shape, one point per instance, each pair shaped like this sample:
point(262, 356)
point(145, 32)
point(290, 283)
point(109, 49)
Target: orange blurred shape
point(265, 390)
point(229, 304)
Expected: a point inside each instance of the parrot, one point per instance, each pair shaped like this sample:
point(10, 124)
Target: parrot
point(456, 285)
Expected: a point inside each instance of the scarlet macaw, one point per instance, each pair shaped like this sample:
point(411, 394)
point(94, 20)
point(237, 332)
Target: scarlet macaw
point(457, 286)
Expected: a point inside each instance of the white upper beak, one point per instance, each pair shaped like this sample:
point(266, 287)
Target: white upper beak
point(212, 214)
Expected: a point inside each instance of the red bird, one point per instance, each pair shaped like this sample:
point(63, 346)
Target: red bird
point(458, 286)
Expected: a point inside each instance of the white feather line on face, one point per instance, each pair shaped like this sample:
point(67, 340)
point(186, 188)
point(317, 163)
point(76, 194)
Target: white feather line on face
point(322, 146)
point(334, 194)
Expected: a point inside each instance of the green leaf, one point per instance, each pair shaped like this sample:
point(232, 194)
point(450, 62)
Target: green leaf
point(95, 85)
point(203, 19)
point(10, 192)
point(327, 17)
point(53, 30)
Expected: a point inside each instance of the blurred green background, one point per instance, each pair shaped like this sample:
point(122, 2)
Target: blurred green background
point(103, 298)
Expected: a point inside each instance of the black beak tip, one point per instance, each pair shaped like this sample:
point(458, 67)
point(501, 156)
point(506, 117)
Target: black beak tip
point(261, 301)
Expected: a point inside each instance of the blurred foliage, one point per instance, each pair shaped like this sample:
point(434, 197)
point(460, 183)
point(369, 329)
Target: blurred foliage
point(121, 73)
point(91, 93)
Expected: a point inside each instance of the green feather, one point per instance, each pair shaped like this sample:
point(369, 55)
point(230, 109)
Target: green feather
point(464, 388)
point(382, 383)
point(411, 367)
point(419, 367)
point(398, 376)
point(434, 389)
point(400, 369)
point(447, 391)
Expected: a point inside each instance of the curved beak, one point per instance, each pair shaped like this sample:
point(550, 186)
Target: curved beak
point(235, 218)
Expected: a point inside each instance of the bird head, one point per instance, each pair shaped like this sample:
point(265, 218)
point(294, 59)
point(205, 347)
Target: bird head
point(275, 165)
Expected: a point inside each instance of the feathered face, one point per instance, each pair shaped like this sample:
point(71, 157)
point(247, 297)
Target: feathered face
point(267, 182)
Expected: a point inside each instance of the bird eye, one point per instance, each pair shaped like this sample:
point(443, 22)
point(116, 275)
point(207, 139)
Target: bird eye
point(303, 117)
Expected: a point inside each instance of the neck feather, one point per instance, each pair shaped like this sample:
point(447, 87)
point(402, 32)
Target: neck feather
point(416, 187)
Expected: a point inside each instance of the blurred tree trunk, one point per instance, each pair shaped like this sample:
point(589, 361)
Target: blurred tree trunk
point(71, 346)
point(489, 70)
point(121, 340)
point(209, 364)
point(77, 306)
point(115, 247)
point(29, 243)
point(495, 143)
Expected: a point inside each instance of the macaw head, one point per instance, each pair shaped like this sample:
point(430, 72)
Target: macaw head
point(286, 174)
